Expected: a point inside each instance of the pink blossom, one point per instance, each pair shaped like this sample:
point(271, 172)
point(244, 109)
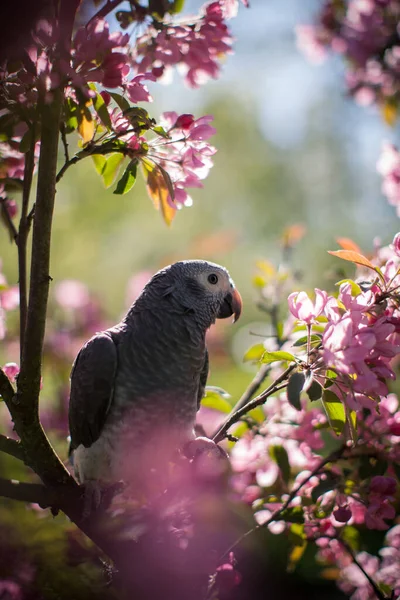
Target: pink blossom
point(71, 294)
point(304, 309)
point(11, 369)
point(396, 244)
point(9, 298)
point(137, 91)
point(196, 48)
point(376, 514)
point(309, 43)
point(389, 167)
point(384, 486)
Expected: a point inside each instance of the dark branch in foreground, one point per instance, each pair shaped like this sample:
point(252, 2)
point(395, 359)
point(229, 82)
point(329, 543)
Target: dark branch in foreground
point(12, 447)
point(23, 231)
point(34, 493)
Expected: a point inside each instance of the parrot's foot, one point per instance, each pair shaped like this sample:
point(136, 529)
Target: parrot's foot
point(98, 496)
point(209, 460)
point(203, 445)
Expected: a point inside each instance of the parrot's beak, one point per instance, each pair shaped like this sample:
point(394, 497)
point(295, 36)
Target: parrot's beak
point(232, 305)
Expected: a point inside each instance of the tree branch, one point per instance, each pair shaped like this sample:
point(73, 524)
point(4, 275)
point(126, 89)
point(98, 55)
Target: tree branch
point(8, 222)
point(27, 492)
point(379, 594)
point(238, 411)
point(24, 405)
point(12, 447)
point(104, 10)
point(6, 389)
point(90, 151)
point(22, 238)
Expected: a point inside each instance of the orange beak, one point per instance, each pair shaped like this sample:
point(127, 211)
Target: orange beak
point(236, 305)
point(231, 305)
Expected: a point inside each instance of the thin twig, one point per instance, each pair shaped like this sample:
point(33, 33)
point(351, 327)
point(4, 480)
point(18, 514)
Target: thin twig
point(104, 149)
point(12, 447)
point(23, 231)
point(64, 141)
point(8, 222)
point(237, 413)
point(104, 10)
point(278, 512)
point(379, 594)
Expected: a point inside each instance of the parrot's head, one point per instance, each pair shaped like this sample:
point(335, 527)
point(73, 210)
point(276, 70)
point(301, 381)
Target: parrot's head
point(203, 289)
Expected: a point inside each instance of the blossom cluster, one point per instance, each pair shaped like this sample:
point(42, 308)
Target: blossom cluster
point(389, 167)
point(326, 472)
point(178, 158)
point(196, 46)
point(384, 569)
point(365, 32)
point(360, 334)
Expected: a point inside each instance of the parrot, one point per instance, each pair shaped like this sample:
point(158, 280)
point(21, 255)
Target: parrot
point(136, 387)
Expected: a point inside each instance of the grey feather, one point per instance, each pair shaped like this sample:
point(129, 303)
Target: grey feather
point(92, 385)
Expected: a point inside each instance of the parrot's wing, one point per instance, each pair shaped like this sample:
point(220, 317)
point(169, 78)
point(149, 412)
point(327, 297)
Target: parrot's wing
point(203, 380)
point(92, 384)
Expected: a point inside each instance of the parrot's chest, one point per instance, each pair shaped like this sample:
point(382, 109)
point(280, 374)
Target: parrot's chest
point(135, 447)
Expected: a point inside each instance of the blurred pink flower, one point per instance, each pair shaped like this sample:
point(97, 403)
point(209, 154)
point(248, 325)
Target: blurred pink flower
point(72, 294)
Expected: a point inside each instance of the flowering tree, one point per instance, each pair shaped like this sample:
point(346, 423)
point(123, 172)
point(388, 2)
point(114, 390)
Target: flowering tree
point(315, 454)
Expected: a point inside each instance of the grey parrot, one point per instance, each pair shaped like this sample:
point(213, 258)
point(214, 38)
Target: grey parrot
point(136, 387)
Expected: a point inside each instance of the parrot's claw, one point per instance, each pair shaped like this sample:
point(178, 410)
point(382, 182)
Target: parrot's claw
point(203, 445)
point(98, 496)
point(92, 497)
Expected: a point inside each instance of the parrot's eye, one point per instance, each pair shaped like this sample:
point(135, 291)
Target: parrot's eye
point(213, 278)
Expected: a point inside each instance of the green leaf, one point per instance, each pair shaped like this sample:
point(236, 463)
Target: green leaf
point(176, 7)
point(161, 131)
point(296, 534)
point(270, 357)
point(257, 414)
point(303, 340)
point(355, 288)
point(386, 589)
point(111, 168)
point(326, 485)
point(314, 392)
point(334, 411)
point(294, 389)
point(217, 402)
point(351, 536)
point(71, 115)
point(101, 109)
point(280, 456)
point(128, 178)
point(255, 353)
point(99, 162)
point(120, 100)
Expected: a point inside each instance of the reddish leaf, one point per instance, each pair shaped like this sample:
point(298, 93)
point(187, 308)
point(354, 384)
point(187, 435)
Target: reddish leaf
point(158, 188)
point(348, 244)
point(353, 257)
